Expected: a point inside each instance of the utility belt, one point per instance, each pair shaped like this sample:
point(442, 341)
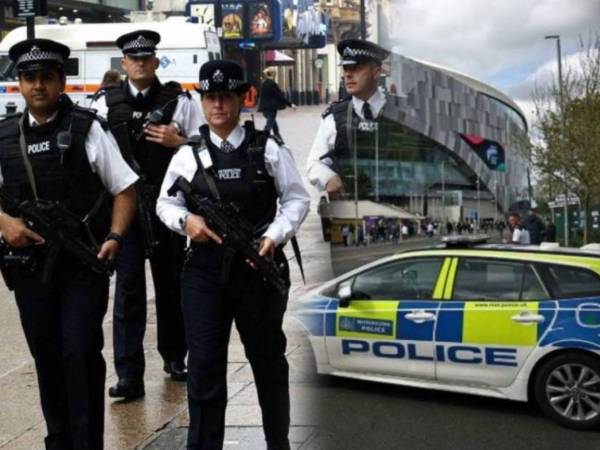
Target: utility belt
point(225, 256)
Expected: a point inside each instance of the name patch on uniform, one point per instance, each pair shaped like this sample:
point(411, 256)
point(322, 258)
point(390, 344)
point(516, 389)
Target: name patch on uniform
point(138, 114)
point(229, 174)
point(39, 147)
point(368, 125)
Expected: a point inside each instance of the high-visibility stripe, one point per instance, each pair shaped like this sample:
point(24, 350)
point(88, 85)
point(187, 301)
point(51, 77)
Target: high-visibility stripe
point(450, 279)
point(438, 291)
point(492, 323)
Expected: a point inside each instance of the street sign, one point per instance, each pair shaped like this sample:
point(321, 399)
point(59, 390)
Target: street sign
point(30, 8)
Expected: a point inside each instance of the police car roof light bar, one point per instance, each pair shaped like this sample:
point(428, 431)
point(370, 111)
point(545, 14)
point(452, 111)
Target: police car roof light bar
point(455, 241)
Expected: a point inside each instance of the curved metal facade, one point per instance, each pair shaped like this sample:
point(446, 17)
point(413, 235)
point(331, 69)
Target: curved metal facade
point(438, 104)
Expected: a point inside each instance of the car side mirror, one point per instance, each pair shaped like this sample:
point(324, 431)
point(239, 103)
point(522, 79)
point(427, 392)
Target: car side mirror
point(345, 295)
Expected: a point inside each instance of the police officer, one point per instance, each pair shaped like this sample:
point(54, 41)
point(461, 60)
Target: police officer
point(347, 125)
point(150, 147)
point(255, 171)
point(62, 317)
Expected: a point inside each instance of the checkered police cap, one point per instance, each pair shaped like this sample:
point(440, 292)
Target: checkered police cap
point(355, 51)
point(139, 42)
point(38, 54)
point(220, 76)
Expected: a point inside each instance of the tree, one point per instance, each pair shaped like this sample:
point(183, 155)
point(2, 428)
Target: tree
point(567, 148)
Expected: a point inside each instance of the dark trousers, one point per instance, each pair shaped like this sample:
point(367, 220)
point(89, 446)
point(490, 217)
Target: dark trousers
point(271, 122)
point(62, 322)
point(209, 309)
point(129, 315)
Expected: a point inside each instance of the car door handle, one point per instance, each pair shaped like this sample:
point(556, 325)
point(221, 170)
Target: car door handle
point(420, 316)
point(528, 317)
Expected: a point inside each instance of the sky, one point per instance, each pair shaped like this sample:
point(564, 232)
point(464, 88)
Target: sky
point(500, 42)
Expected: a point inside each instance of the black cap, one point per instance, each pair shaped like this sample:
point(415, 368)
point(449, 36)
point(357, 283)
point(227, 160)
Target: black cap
point(38, 54)
point(355, 51)
point(222, 76)
point(139, 42)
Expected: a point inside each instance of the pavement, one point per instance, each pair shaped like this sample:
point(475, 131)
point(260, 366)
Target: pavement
point(159, 420)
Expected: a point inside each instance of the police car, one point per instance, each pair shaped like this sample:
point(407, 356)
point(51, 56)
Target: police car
point(513, 322)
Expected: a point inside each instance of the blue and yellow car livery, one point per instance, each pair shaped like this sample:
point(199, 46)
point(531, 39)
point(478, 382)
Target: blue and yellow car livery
point(545, 349)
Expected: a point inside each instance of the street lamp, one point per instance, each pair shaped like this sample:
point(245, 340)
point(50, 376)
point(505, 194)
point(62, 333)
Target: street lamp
point(562, 114)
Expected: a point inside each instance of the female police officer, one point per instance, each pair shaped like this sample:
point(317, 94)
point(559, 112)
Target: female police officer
point(216, 289)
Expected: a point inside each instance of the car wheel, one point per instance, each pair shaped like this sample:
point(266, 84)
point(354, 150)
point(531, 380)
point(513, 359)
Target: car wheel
point(567, 389)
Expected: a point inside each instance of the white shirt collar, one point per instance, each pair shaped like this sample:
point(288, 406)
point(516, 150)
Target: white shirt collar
point(34, 123)
point(376, 102)
point(135, 91)
point(235, 138)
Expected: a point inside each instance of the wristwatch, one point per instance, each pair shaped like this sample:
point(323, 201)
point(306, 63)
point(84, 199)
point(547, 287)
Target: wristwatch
point(177, 127)
point(114, 237)
point(183, 220)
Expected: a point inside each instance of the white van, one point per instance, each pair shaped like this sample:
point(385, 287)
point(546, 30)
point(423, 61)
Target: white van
point(183, 48)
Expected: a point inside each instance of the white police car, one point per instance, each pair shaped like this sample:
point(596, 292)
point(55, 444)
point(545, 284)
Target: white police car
point(520, 323)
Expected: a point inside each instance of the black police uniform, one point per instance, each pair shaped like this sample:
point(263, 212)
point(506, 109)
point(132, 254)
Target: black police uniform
point(365, 134)
point(62, 320)
point(166, 259)
point(219, 287)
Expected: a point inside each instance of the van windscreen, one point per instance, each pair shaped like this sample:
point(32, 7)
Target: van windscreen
point(7, 69)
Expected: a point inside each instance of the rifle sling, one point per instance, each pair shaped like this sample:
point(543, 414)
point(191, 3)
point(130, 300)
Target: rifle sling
point(208, 176)
point(26, 162)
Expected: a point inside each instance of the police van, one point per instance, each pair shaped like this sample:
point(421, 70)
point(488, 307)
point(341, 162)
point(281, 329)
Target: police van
point(183, 48)
point(514, 322)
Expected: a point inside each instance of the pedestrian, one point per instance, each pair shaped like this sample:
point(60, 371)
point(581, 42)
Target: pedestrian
point(430, 229)
point(331, 154)
point(57, 153)
point(218, 285)
point(111, 78)
point(535, 226)
point(520, 235)
point(345, 234)
point(404, 231)
point(148, 147)
point(449, 227)
point(550, 231)
point(272, 100)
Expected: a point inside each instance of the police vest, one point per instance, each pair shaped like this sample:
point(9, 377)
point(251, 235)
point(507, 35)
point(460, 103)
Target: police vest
point(60, 175)
point(123, 108)
point(241, 177)
point(372, 140)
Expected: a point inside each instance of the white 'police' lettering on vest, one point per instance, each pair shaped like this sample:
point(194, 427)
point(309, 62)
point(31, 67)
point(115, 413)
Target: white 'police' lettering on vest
point(229, 174)
point(138, 114)
point(39, 147)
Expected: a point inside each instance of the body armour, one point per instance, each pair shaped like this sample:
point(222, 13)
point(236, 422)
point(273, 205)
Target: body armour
point(60, 175)
point(373, 140)
point(125, 109)
point(241, 177)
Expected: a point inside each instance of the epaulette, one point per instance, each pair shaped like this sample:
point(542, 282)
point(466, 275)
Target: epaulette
point(92, 114)
point(334, 106)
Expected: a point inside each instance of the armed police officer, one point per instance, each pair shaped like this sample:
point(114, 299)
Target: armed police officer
point(58, 170)
point(150, 121)
point(245, 172)
point(353, 127)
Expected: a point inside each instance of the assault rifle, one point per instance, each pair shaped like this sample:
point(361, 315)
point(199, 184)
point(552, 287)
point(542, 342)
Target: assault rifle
point(145, 193)
point(61, 229)
point(226, 221)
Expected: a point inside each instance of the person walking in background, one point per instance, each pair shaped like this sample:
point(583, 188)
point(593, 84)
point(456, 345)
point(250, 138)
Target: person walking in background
point(272, 100)
point(535, 226)
point(550, 232)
